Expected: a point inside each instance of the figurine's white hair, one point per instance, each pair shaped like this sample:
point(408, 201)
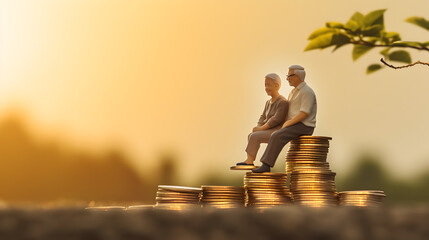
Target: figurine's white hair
point(276, 78)
point(298, 70)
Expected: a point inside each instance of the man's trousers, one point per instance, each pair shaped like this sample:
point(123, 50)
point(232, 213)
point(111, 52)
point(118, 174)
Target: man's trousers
point(280, 138)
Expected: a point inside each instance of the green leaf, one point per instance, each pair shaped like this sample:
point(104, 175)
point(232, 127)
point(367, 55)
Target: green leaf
point(392, 36)
point(359, 50)
point(321, 31)
point(406, 44)
point(339, 40)
point(358, 18)
point(321, 42)
point(419, 21)
point(385, 53)
point(373, 31)
point(425, 44)
point(400, 56)
point(352, 25)
point(372, 68)
point(335, 25)
point(374, 17)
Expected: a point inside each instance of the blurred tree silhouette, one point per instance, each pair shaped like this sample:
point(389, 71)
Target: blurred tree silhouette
point(370, 174)
point(167, 169)
point(216, 178)
point(366, 32)
point(367, 174)
point(36, 172)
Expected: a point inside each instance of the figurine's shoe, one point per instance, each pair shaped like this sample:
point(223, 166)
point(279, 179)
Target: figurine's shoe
point(244, 163)
point(262, 169)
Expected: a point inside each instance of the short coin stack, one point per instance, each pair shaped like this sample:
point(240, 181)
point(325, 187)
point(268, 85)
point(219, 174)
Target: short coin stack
point(222, 197)
point(307, 152)
point(312, 183)
point(177, 197)
point(265, 190)
point(367, 198)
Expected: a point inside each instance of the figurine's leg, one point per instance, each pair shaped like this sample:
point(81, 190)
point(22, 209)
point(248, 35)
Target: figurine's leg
point(254, 141)
point(280, 138)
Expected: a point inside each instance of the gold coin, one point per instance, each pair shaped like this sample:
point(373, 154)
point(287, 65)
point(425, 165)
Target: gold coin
point(308, 147)
point(244, 167)
point(307, 162)
point(176, 206)
point(363, 192)
point(266, 174)
point(295, 142)
point(306, 156)
point(298, 158)
point(313, 137)
point(303, 153)
point(256, 182)
point(179, 189)
point(175, 194)
point(221, 187)
point(308, 144)
point(166, 199)
point(210, 193)
point(106, 208)
point(140, 207)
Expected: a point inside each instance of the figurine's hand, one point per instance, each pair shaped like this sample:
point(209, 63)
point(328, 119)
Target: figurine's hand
point(286, 124)
point(257, 128)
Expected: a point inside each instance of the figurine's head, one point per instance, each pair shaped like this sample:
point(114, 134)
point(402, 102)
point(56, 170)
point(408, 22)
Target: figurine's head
point(273, 83)
point(296, 75)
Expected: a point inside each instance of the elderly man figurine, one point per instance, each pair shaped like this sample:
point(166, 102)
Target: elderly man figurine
point(272, 118)
point(301, 118)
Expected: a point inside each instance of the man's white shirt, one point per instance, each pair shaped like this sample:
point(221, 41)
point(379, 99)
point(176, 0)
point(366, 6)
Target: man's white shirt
point(303, 99)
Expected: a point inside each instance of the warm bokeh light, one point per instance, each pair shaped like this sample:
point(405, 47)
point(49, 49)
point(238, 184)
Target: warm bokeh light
point(186, 79)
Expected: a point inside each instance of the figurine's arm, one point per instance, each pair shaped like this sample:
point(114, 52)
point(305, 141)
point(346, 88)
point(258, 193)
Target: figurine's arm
point(276, 119)
point(263, 116)
point(280, 114)
point(298, 118)
point(261, 128)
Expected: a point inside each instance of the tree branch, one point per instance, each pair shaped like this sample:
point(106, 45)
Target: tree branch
point(405, 66)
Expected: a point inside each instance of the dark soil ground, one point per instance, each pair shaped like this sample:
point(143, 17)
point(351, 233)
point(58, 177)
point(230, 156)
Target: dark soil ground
point(292, 222)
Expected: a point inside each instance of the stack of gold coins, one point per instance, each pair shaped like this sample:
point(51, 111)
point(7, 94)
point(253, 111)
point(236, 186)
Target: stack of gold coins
point(177, 197)
point(266, 190)
point(307, 152)
point(363, 198)
point(312, 183)
point(313, 187)
point(222, 197)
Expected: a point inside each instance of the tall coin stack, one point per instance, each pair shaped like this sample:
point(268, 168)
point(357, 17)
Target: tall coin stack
point(312, 183)
point(222, 197)
point(367, 198)
point(266, 190)
point(177, 197)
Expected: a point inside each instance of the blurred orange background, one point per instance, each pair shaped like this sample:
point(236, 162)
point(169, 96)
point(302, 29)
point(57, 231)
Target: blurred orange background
point(103, 100)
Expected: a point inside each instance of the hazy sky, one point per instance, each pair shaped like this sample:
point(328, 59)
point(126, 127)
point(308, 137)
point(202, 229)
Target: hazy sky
point(188, 77)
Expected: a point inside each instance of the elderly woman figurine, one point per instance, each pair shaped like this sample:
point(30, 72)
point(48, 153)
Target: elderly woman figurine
point(272, 118)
